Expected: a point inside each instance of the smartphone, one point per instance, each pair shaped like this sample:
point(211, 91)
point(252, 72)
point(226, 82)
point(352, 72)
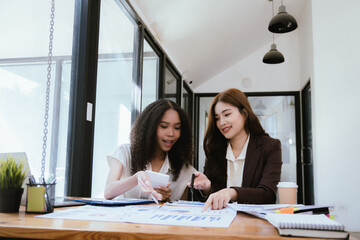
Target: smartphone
point(157, 179)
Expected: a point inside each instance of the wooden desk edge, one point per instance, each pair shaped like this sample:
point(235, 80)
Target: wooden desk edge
point(21, 225)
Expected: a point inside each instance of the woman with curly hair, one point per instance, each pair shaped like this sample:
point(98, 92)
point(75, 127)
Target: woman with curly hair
point(243, 163)
point(161, 141)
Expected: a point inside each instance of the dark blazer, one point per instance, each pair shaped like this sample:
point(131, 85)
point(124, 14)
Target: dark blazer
point(261, 173)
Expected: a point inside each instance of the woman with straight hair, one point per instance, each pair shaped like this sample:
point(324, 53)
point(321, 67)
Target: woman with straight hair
point(243, 163)
point(161, 141)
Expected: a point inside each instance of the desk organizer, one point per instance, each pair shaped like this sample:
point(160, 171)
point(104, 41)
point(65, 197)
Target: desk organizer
point(40, 198)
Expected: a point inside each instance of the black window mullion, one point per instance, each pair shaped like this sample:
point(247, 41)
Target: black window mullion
point(178, 90)
point(78, 173)
point(191, 100)
point(137, 71)
point(161, 86)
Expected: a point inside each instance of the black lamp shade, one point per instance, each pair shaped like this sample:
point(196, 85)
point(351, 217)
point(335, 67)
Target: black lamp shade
point(282, 22)
point(273, 56)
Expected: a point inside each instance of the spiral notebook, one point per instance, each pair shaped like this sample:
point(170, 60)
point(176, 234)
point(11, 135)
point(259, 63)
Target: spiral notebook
point(303, 225)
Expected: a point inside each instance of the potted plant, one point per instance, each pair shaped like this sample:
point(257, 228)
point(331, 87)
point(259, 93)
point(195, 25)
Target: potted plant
point(12, 176)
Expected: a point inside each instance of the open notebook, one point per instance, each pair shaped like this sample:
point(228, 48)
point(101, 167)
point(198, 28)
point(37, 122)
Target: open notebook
point(304, 225)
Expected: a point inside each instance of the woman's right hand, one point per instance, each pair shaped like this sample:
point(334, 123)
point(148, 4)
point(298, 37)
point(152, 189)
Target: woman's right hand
point(201, 182)
point(145, 186)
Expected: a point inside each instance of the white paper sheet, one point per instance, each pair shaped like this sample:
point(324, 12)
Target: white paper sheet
point(188, 216)
point(150, 214)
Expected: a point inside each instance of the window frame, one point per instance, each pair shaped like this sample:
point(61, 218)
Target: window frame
point(79, 156)
point(78, 167)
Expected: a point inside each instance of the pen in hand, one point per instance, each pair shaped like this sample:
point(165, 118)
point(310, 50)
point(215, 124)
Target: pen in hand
point(152, 196)
point(145, 187)
point(192, 187)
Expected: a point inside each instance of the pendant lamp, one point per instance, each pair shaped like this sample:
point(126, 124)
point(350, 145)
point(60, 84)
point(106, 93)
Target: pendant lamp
point(282, 22)
point(273, 56)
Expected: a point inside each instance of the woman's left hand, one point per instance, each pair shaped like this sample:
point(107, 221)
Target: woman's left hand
point(165, 192)
point(219, 199)
point(145, 186)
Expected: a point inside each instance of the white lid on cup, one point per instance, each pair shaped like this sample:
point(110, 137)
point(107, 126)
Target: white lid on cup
point(287, 185)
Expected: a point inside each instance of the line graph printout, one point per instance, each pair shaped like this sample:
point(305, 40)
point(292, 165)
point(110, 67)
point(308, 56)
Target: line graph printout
point(150, 214)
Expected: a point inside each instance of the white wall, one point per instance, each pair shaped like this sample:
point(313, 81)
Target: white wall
point(336, 111)
point(328, 54)
point(261, 76)
point(306, 55)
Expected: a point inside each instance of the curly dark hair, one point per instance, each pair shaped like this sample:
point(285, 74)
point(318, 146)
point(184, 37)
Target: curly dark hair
point(144, 133)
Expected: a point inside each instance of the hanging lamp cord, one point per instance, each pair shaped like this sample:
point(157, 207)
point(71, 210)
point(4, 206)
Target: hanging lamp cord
point(48, 78)
point(273, 36)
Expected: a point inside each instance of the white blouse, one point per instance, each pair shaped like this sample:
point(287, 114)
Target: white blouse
point(235, 166)
point(123, 154)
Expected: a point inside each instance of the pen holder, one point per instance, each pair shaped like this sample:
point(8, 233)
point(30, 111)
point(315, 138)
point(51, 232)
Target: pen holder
point(40, 198)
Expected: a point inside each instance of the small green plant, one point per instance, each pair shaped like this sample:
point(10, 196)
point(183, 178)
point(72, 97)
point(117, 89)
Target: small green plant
point(12, 175)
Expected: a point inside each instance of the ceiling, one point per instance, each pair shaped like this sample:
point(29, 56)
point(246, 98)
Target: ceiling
point(205, 37)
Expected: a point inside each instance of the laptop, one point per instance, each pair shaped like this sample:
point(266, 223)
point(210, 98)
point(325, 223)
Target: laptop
point(64, 202)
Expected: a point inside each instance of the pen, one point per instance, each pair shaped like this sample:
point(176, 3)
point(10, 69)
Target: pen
point(152, 196)
point(42, 180)
point(53, 181)
point(145, 187)
point(192, 187)
point(32, 180)
point(50, 178)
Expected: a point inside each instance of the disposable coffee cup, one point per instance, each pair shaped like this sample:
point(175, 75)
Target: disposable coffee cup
point(287, 192)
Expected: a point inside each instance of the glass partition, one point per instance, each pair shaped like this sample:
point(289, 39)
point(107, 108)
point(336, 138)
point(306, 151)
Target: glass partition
point(276, 115)
point(203, 110)
point(113, 90)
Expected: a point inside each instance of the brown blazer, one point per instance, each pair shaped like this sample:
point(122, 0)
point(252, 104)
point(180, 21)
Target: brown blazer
point(261, 173)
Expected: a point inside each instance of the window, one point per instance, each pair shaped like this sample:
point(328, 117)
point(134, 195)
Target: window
point(150, 75)
point(187, 100)
point(23, 71)
point(277, 116)
point(113, 90)
point(170, 85)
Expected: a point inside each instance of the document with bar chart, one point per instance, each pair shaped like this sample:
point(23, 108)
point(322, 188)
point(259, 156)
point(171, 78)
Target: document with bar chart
point(150, 214)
